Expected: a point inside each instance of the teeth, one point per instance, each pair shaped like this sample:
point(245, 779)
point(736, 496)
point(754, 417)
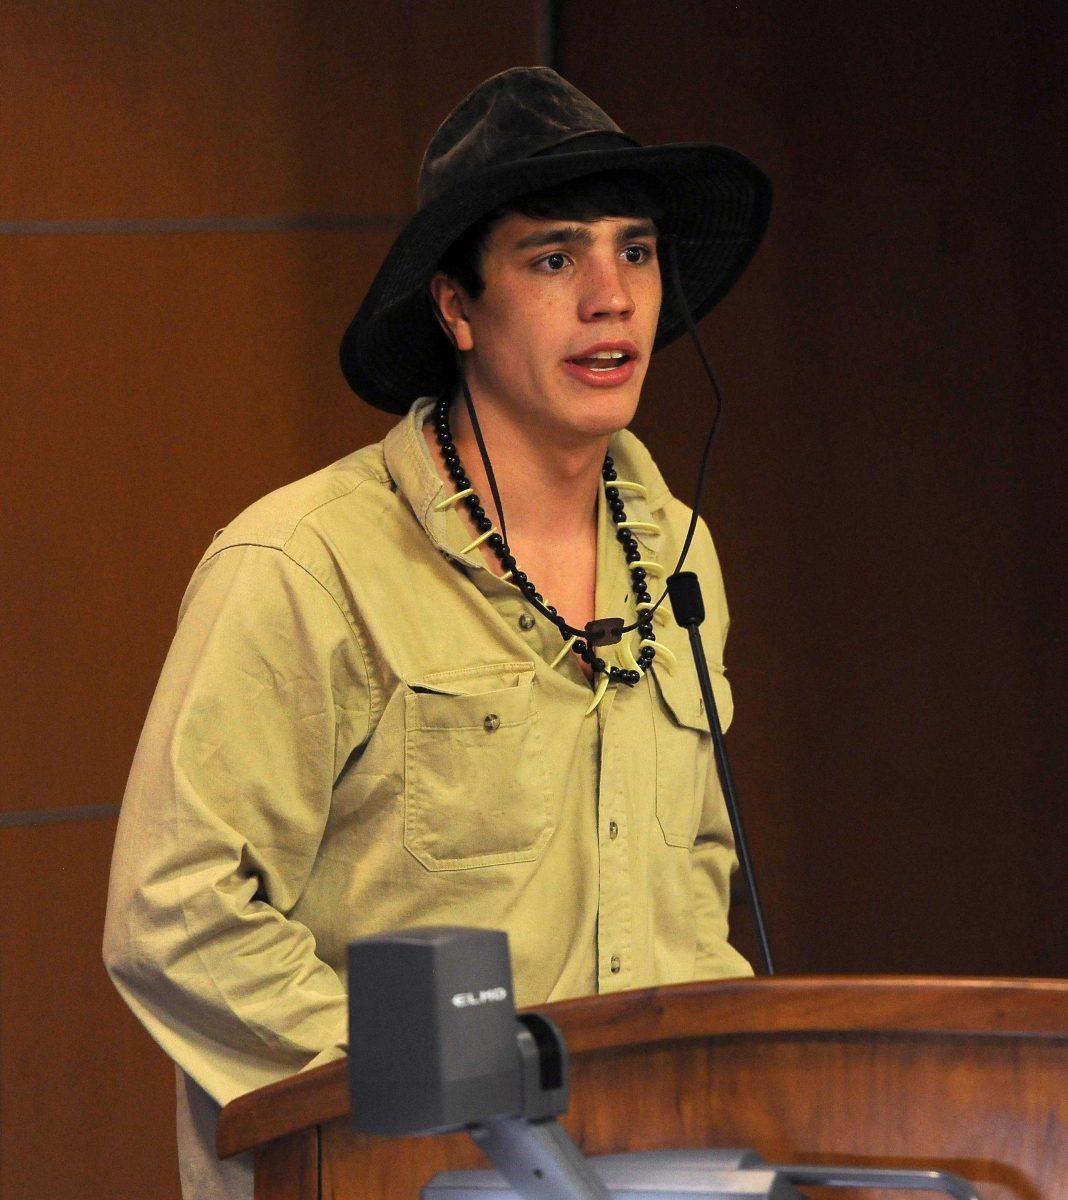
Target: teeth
point(608, 354)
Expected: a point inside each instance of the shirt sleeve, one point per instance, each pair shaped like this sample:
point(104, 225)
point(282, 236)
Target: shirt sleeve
point(713, 856)
point(262, 699)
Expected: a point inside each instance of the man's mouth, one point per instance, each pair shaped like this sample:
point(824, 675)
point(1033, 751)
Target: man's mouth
point(604, 360)
point(604, 366)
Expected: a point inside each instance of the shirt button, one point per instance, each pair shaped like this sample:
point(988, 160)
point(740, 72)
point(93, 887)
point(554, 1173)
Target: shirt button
point(491, 722)
point(615, 964)
point(613, 830)
point(526, 622)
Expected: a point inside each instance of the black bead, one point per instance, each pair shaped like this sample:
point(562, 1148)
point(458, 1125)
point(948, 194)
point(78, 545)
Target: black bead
point(472, 502)
point(611, 493)
point(483, 524)
point(507, 561)
point(495, 542)
point(638, 574)
point(550, 610)
point(539, 597)
point(633, 556)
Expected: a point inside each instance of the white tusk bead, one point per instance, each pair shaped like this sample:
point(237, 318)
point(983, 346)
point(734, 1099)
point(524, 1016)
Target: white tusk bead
point(663, 654)
point(602, 687)
point(563, 650)
point(640, 526)
point(628, 659)
point(660, 617)
point(478, 541)
point(449, 501)
point(649, 566)
point(626, 485)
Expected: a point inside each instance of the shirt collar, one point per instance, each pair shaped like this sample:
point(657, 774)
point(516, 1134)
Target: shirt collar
point(408, 461)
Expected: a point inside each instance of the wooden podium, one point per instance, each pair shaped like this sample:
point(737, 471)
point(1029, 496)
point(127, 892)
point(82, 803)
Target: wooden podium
point(961, 1075)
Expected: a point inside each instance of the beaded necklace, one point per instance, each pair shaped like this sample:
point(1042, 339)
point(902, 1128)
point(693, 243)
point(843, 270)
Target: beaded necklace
point(584, 647)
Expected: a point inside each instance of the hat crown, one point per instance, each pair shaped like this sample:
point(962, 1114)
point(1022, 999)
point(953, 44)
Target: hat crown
point(520, 113)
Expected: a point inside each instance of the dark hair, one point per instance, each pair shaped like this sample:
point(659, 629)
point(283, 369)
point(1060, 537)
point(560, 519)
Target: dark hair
point(617, 193)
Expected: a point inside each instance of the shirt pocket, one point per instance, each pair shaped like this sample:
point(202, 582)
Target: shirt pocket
point(684, 754)
point(476, 791)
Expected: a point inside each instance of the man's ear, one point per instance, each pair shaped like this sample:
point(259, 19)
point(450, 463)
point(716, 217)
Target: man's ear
point(451, 301)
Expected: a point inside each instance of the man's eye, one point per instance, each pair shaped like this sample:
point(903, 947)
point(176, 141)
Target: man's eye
point(555, 262)
point(644, 253)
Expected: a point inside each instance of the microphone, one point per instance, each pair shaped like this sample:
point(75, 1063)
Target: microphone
point(684, 590)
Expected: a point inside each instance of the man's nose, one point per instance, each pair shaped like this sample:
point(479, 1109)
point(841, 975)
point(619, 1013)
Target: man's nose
point(607, 292)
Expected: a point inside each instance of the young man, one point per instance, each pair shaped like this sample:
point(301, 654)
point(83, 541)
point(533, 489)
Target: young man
point(383, 705)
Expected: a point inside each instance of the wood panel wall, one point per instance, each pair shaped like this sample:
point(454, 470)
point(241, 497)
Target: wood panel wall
point(888, 487)
point(193, 199)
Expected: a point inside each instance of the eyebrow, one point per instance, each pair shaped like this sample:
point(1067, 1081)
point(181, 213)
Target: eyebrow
point(569, 235)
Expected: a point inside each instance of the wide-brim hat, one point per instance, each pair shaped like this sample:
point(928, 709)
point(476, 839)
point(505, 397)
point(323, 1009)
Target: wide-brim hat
point(520, 131)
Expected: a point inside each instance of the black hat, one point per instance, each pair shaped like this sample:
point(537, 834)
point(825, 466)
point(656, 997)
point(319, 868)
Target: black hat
point(520, 131)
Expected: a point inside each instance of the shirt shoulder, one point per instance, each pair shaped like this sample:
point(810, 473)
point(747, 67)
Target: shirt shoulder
point(278, 519)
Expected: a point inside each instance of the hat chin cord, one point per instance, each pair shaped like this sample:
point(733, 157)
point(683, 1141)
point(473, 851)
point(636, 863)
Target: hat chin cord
point(598, 636)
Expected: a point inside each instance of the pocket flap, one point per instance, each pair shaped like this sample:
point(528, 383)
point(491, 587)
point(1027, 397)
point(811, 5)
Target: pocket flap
point(681, 693)
point(505, 707)
point(469, 681)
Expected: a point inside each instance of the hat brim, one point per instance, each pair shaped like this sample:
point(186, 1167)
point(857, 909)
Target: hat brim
point(718, 202)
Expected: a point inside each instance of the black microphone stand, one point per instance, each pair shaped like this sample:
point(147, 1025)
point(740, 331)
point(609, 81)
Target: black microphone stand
point(684, 590)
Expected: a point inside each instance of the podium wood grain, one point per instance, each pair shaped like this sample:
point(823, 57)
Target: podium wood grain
point(964, 1075)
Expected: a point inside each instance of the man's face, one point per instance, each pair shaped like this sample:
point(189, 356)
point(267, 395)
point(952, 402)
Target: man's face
point(558, 291)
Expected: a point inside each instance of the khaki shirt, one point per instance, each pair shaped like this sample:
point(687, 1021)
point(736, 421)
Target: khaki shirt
point(359, 727)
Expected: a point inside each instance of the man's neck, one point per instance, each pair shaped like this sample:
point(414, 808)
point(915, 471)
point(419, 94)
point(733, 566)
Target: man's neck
point(548, 491)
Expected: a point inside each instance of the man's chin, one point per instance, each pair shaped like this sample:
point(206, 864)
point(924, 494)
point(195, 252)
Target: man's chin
point(609, 412)
point(598, 421)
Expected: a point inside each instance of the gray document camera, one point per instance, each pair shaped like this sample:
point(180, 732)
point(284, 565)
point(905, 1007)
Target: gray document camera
point(435, 1046)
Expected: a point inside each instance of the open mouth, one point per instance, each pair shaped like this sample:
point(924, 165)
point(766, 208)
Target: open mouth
point(606, 360)
point(602, 370)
